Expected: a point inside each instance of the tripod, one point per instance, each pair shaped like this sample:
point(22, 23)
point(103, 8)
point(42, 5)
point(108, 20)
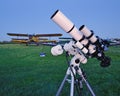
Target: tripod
point(72, 71)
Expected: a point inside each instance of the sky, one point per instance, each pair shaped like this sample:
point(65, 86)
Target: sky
point(33, 16)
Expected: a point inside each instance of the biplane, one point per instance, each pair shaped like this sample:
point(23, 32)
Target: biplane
point(33, 39)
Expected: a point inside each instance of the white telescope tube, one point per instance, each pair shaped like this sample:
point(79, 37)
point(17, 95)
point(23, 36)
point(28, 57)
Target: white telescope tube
point(59, 18)
point(88, 34)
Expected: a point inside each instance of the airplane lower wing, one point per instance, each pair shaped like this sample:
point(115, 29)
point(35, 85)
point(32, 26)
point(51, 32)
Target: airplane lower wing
point(20, 40)
point(47, 41)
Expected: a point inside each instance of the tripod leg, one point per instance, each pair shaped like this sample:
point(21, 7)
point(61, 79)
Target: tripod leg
point(72, 85)
point(79, 71)
point(90, 89)
point(63, 82)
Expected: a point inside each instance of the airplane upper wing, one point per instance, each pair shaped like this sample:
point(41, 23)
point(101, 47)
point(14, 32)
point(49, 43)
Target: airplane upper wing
point(16, 34)
point(48, 35)
point(37, 35)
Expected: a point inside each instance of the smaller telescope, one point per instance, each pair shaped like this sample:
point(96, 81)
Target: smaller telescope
point(99, 46)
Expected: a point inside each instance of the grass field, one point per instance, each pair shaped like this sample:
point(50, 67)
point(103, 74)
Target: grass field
point(24, 73)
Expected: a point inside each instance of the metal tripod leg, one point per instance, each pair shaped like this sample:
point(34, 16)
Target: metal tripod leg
point(89, 87)
point(63, 82)
point(72, 85)
point(87, 84)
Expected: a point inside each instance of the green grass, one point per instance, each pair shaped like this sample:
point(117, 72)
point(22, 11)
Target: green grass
point(24, 73)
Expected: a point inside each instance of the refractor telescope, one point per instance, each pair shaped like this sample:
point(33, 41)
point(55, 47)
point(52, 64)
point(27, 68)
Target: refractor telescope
point(84, 41)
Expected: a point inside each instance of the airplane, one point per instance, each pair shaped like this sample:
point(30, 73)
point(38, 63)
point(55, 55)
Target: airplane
point(33, 39)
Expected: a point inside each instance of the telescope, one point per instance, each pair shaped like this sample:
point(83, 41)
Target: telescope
point(84, 39)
